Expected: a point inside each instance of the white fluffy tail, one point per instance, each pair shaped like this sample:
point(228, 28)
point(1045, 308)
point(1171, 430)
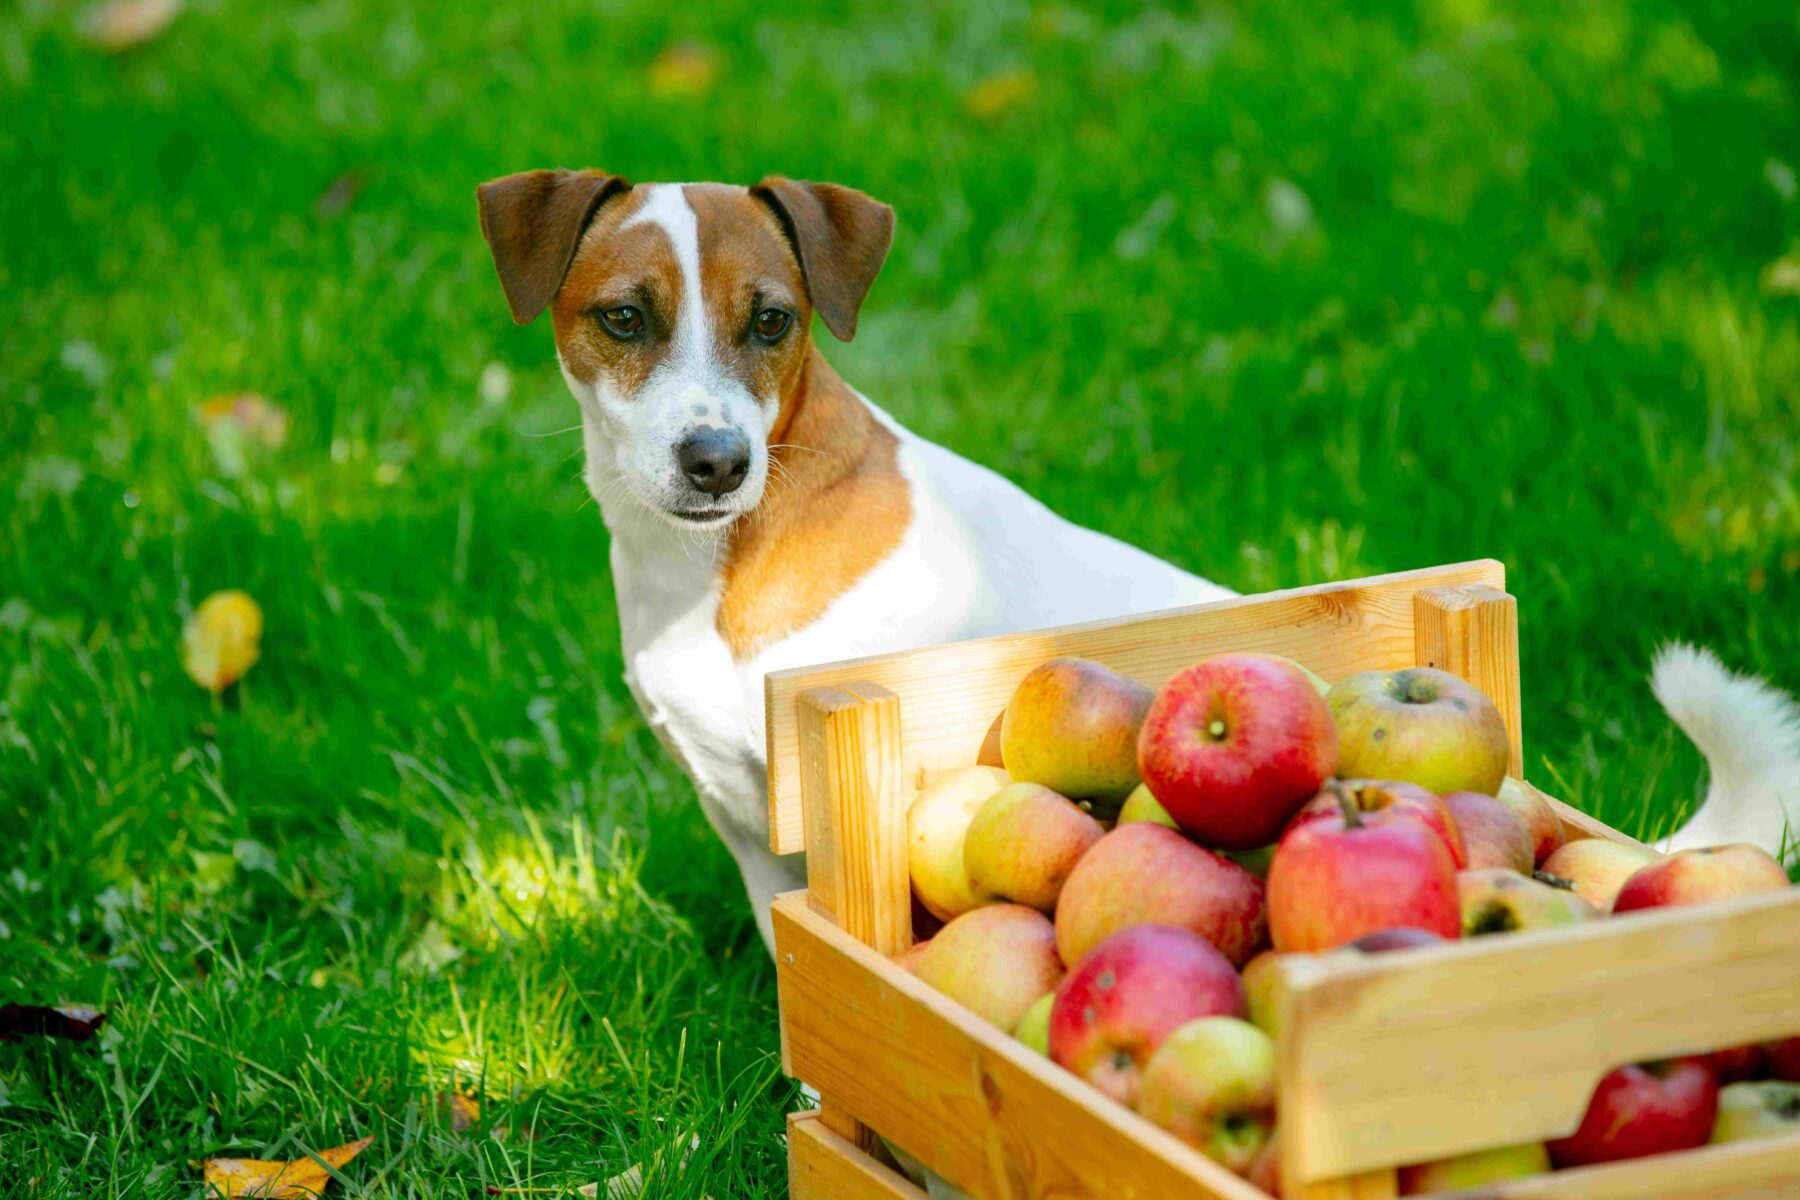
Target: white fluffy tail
point(1749, 734)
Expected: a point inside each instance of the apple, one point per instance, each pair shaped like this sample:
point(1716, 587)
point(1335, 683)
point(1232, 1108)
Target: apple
point(1335, 879)
point(1034, 1027)
point(1312, 676)
point(908, 960)
point(989, 755)
point(1261, 992)
point(936, 823)
point(1475, 1169)
point(1422, 725)
point(1023, 843)
point(1757, 1110)
point(995, 961)
point(1254, 861)
point(1142, 806)
point(1234, 745)
point(1541, 819)
point(1265, 1172)
point(1135, 989)
point(1212, 1084)
point(1146, 874)
point(1784, 1058)
point(1403, 937)
point(1493, 834)
point(1734, 1064)
point(1652, 1108)
point(1598, 867)
point(1701, 877)
point(1072, 725)
point(1405, 799)
point(1496, 900)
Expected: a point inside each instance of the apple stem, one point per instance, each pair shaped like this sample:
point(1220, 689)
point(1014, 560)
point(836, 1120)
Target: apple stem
point(1346, 803)
point(1555, 881)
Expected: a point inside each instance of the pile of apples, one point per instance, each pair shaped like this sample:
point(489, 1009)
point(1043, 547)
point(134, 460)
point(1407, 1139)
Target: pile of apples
point(1117, 876)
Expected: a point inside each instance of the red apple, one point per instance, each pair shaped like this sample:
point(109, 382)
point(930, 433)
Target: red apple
point(1212, 1084)
point(1737, 1063)
point(1636, 1111)
point(995, 961)
point(1405, 799)
point(1784, 1058)
point(1147, 874)
point(1335, 879)
point(1137, 987)
point(1493, 834)
point(1598, 867)
point(1701, 877)
point(1422, 725)
point(1532, 808)
point(1233, 745)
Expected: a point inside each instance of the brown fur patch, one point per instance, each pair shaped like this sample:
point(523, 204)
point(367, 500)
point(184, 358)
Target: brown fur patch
point(836, 505)
point(747, 265)
point(615, 266)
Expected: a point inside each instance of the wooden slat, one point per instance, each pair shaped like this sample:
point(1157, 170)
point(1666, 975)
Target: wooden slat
point(1577, 825)
point(1472, 631)
point(1375, 1185)
point(823, 1166)
point(980, 1109)
point(856, 870)
point(951, 692)
point(1502, 1040)
point(1767, 1170)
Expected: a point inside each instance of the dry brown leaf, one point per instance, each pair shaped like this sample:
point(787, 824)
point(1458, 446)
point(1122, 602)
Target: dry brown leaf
point(222, 640)
point(1001, 93)
point(122, 24)
point(684, 69)
point(463, 1111)
point(233, 1177)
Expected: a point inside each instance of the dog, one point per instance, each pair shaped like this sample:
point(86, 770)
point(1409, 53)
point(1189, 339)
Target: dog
point(764, 514)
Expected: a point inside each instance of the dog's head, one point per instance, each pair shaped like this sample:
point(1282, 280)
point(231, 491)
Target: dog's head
point(683, 314)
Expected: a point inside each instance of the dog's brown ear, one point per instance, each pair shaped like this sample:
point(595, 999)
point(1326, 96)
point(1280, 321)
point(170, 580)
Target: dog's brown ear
point(841, 237)
point(533, 221)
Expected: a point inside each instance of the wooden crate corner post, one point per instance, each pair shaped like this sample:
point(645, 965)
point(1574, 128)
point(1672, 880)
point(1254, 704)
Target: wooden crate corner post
point(1472, 631)
point(854, 798)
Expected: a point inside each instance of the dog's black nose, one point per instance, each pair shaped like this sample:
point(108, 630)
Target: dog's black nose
point(714, 460)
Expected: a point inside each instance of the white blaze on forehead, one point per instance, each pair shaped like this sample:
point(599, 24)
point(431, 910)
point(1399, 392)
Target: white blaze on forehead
point(667, 208)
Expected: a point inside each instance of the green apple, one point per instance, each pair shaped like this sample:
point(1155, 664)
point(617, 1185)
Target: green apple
point(936, 824)
point(1142, 806)
point(1072, 725)
point(1317, 680)
point(1260, 992)
point(1757, 1110)
point(1474, 1170)
point(1023, 843)
point(1422, 726)
point(1034, 1026)
point(1212, 1084)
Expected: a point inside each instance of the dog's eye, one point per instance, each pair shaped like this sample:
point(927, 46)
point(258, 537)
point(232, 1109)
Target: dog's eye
point(771, 323)
point(624, 322)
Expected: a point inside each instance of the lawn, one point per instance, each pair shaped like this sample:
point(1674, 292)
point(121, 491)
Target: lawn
point(1284, 293)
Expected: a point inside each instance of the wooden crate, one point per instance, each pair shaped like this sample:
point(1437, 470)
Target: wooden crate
point(1451, 1049)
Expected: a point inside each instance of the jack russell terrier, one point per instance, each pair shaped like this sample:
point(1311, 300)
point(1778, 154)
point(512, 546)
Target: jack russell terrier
point(764, 514)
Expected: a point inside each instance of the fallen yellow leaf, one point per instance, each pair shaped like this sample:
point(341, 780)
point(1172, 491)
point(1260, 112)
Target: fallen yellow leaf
point(233, 1177)
point(121, 24)
point(684, 69)
point(1002, 92)
point(463, 1111)
point(222, 640)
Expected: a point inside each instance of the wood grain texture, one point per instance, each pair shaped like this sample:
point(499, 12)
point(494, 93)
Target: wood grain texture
point(978, 1108)
point(1472, 631)
point(855, 803)
point(1501, 1040)
point(1767, 1170)
point(1373, 1185)
point(952, 692)
point(823, 1166)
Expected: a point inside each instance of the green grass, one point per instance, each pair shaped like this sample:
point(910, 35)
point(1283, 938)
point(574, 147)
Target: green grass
point(1284, 295)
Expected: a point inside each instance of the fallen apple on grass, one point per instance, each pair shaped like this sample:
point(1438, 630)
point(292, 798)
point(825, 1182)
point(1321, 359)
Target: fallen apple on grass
point(1639, 1110)
point(1212, 1084)
point(1493, 834)
point(1234, 745)
point(1598, 868)
point(1749, 1111)
point(1146, 874)
point(936, 823)
point(1701, 876)
point(1421, 725)
point(995, 961)
point(1496, 900)
point(1114, 1009)
point(1072, 725)
point(1336, 878)
point(1022, 844)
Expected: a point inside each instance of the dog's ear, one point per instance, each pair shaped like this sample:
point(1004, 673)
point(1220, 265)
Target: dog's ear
point(533, 221)
point(841, 238)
